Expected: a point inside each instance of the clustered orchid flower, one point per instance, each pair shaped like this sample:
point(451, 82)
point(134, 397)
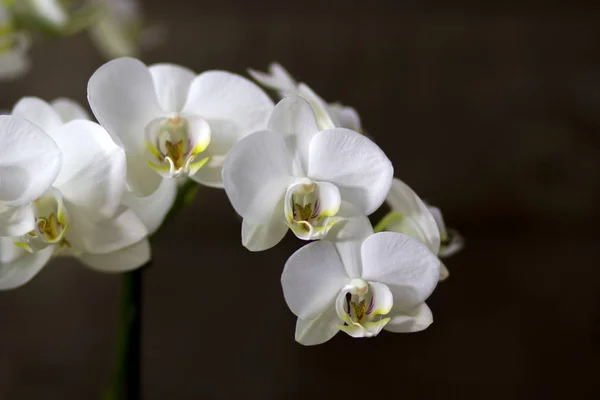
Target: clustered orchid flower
point(96, 191)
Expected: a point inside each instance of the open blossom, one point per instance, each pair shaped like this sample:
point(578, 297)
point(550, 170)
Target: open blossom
point(328, 115)
point(295, 175)
point(410, 215)
point(81, 213)
point(360, 285)
point(172, 122)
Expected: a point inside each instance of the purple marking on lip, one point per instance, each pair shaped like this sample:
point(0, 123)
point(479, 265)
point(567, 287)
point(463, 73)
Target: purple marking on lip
point(315, 212)
point(371, 305)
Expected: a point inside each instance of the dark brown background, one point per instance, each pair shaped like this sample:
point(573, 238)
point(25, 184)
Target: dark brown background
point(492, 113)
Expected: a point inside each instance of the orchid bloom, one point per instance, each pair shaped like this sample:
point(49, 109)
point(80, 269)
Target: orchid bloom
point(14, 48)
point(173, 123)
point(360, 285)
point(328, 115)
point(410, 215)
point(293, 175)
point(81, 213)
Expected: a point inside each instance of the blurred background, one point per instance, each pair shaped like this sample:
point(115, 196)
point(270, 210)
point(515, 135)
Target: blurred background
point(490, 112)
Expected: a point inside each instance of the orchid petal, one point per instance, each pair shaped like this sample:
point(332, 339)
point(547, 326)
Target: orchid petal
point(356, 165)
point(29, 161)
point(294, 118)
point(39, 112)
point(153, 209)
point(347, 235)
point(264, 236)
point(93, 171)
point(310, 332)
point(415, 320)
point(126, 259)
point(277, 78)
point(403, 263)
point(312, 278)
point(171, 83)
point(122, 97)
point(16, 221)
point(256, 174)
point(23, 266)
point(415, 218)
point(69, 110)
point(108, 236)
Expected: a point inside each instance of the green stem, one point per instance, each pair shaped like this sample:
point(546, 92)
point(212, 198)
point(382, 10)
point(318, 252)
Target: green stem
point(126, 380)
point(385, 221)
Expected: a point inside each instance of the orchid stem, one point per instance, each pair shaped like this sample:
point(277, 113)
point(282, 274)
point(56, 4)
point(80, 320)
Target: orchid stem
point(126, 383)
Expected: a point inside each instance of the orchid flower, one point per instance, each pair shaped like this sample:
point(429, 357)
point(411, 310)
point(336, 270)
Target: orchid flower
point(294, 175)
point(360, 285)
point(328, 115)
point(151, 210)
point(81, 213)
point(14, 48)
point(410, 215)
point(172, 122)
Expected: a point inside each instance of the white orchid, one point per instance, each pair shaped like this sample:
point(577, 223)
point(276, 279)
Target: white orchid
point(14, 48)
point(360, 284)
point(172, 122)
point(298, 176)
point(328, 115)
point(81, 213)
point(410, 215)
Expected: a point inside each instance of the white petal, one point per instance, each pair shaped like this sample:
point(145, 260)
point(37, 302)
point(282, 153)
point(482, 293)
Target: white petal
point(310, 332)
point(345, 117)
point(436, 213)
point(93, 172)
point(171, 83)
point(415, 320)
point(16, 221)
point(141, 178)
point(39, 112)
point(415, 219)
point(23, 268)
point(29, 161)
point(312, 278)
point(153, 209)
point(347, 235)
point(277, 78)
point(256, 174)
point(356, 165)
point(69, 110)
point(126, 259)
point(318, 105)
point(403, 263)
point(264, 236)
point(122, 97)
point(232, 105)
point(124, 230)
point(294, 118)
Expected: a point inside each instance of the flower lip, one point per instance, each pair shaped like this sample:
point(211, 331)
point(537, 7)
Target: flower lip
point(51, 223)
point(174, 143)
point(310, 208)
